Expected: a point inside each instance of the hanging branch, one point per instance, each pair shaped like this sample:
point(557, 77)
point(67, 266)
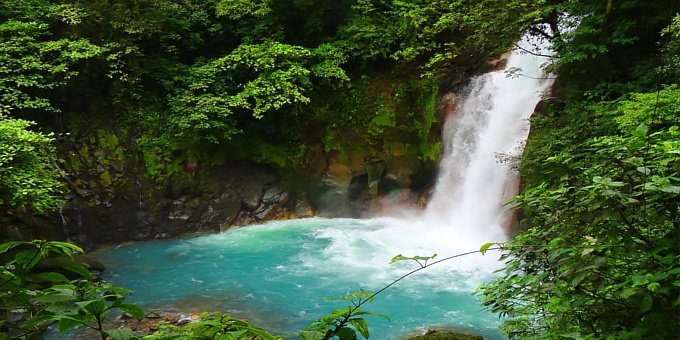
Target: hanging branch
point(350, 312)
point(534, 53)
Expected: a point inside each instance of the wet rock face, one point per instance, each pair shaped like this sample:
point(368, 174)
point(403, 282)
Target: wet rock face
point(358, 185)
point(112, 199)
point(213, 201)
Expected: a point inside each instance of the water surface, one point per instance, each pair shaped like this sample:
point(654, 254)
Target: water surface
point(279, 275)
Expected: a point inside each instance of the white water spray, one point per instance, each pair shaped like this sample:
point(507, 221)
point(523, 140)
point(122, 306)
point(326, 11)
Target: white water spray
point(488, 127)
point(486, 132)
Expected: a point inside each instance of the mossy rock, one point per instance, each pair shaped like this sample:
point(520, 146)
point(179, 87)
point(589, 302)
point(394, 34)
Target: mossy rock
point(446, 335)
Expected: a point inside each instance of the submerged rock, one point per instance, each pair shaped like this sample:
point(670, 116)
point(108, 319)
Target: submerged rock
point(434, 334)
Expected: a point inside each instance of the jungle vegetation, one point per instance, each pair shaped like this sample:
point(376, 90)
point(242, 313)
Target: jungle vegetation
point(598, 253)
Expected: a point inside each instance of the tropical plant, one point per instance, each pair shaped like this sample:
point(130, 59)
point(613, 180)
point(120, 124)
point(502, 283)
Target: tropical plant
point(212, 326)
point(41, 285)
point(29, 177)
point(600, 257)
point(32, 63)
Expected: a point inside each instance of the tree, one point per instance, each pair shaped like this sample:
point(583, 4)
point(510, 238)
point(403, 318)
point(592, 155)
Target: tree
point(29, 177)
point(606, 48)
point(32, 64)
point(434, 34)
point(601, 255)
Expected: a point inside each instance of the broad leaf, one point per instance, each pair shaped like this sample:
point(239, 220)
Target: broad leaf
point(119, 334)
point(134, 310)
point(486, 247)
point(361, 326)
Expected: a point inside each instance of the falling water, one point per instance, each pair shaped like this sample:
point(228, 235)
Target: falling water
point(482, 137)
point(64, 224)
point(280, 273)
point(484, 133)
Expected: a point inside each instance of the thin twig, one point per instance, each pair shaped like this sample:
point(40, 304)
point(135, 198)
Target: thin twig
point(534, 53)
point(351, 310)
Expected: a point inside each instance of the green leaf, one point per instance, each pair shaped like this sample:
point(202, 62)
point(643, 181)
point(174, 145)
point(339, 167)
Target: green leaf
point(641, 130)
point(38, 321)
point(646, 303)
point(67, 323)
point(579, 277)
point(47, 277)
point(361, 326)
point(78, 269)
point(132, 309)
point(10, 245)
point(643, 169)
point(414, 258)
point(399, 258)
point(60, 296)
point(653, 287)
point(119, 334)
point(96, 307)
point(65, 247)
point(346, 334)
point(486, 247)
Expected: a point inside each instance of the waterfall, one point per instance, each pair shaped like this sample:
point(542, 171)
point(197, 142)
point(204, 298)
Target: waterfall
point(64, 224)
point(482, 140)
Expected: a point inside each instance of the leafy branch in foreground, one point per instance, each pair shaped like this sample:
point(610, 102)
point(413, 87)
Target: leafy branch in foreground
point(42, 286)
point(604, 260)
point(212, 326)
point(343, 323)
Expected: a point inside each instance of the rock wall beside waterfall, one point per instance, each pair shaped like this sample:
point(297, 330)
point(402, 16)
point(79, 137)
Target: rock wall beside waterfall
point(112, 199)
point(353, 170)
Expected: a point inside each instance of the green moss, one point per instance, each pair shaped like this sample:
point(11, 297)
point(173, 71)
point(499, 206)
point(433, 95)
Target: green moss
point(73, 162)
point(106, 180)
point(84, 152)
point(428, 102)
point(262, 152)
point(107, 140)
point(158, 158)
point(447, 336)
point(430, 151)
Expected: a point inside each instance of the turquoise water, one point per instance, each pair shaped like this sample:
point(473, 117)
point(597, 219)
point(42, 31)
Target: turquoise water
point(279, 275)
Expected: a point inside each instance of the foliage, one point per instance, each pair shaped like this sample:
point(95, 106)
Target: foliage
point(434, 32)
point(237, 9)
point(28, 173)
point(416, 259)
point(655, 109)
point(343, 323)
point(32, 64)
point(42, 286)
point(212, 326)
point(270, 79)
point(255, 78)
point(187, 74)
point(671, 49)
point(607, 48)
point(600, 257)
point(597, 255)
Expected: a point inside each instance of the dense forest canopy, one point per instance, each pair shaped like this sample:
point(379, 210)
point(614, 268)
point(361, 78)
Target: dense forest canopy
point(599, 251)
point(191, 76)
